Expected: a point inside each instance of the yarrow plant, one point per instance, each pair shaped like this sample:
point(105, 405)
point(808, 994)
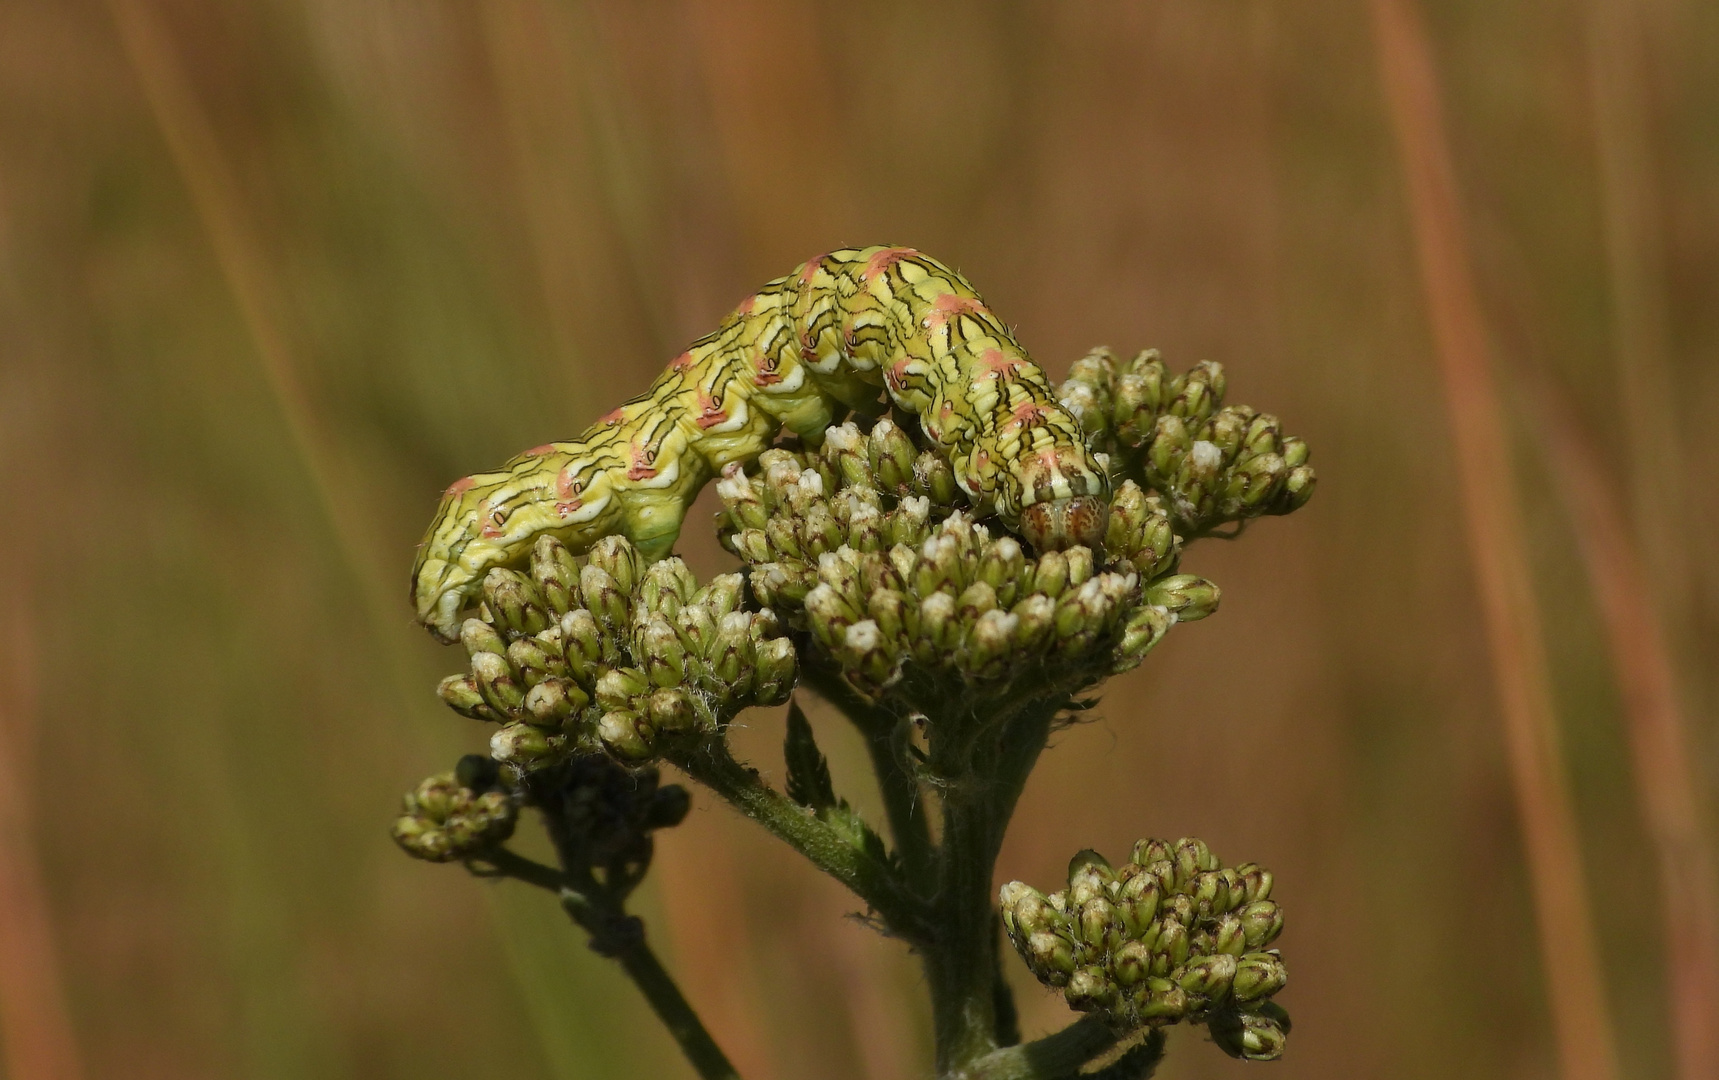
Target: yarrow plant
point(934, 583)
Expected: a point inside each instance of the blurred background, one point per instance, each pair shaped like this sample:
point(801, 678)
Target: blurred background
point(273, 272)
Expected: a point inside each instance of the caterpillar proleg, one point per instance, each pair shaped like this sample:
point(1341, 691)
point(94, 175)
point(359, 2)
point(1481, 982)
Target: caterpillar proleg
point(826, 337)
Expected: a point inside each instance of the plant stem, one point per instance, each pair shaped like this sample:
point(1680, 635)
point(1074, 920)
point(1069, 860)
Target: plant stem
point(675, 1011)
point(871, 880)
point(987, 774)
point(903, 800)
point(613, 933)
point(1056, 1055)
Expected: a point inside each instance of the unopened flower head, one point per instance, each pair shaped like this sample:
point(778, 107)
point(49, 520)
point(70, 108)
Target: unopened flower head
point(1170, 935)
point(456, 815)
point(605, 652)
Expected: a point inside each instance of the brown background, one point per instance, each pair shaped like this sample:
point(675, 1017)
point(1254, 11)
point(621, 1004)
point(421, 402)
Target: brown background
point(272, 272)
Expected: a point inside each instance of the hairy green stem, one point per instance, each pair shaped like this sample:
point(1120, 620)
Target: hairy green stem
point(903, 799)
point(872, 880)
point(987, 768)
point(1053, 1057)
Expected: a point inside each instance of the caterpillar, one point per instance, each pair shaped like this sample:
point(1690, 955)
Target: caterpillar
point(820, 341)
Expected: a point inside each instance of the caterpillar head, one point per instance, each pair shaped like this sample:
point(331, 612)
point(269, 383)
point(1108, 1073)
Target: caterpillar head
point(1066, 500)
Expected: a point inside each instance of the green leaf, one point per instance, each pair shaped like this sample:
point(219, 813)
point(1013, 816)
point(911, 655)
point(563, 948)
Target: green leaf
point(808, 772)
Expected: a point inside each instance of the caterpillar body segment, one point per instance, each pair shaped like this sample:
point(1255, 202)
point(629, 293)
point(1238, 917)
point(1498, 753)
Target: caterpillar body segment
point(825, 338)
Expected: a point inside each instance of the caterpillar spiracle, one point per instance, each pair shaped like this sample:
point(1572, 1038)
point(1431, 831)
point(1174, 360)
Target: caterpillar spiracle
point(823, 339)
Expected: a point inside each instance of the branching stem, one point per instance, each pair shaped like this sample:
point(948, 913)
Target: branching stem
point(872, 880)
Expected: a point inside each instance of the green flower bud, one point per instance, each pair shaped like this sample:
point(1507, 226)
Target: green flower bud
point(829, 614)
point(888, 608)
point(604, 596)
point(1134, 407)
point(1228, 934)
point(783, 583)
point(1132, 963)
point(1163, 1003)
point(666, 586)
point(1097, 916)
point(974, 601)
point(909, 523)
point(991, 643)
point(498, 683)
point(1147, 852)
point(933, 479)
point(722, 595)
point(1170, 444)
point(1259, 975)
point(775, 670)
point(865, 527)
point(670, 710)
point(820, 531)
point(1051, 956)
point(515, 603)
point(1025, 910)
point(627, 735)
point(1000, 567)
point(1171, 950)
point(1256, 881)
point(1080, 565)
point(846, 451)
point(535, 660)
point(1258, 1034)
point(1088, 403)
point(1090, 988)
point(1210, 893)
point(1209, 976)
point(743, 501)
point(1261, 922)
point(730, 650)
point(619, 686)
point(1192, 856)
point(1186, 596)
point(840, 570)
point(1050, 574)
point(462, 695)
point(584, 644)
point(938, 627)
point(1089, 876)
point(752, 545)
point(553, 700)
point(618, 557)
point(480, 637)
point(1297, 489)
point(1035, 622)
point(1139, 903)
point(661, 651)
point(892, 455)
point(521, 745)
point(445, 819)
point(555, 574)
point(868, 662)
point(939, 565)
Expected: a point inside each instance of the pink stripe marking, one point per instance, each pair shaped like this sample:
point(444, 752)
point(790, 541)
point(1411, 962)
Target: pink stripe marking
point(539, 451)
point(883, 260)
point(681, 362)
point(949, 306)
point(459, 487)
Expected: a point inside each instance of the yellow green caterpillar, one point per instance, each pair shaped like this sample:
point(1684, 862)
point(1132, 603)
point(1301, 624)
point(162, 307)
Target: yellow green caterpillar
point(821, 340)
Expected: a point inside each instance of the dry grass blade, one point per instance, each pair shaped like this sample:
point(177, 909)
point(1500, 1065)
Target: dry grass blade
point(1582, 1025)
point(35, 1029)
point(216, 195)
point(1657, 729)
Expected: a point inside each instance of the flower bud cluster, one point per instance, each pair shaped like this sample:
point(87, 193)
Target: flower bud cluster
point(1171, 935)
point(867, 544)
point(603, 812)
point(608, 652)
point(1213, 463)
point(457, 814)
